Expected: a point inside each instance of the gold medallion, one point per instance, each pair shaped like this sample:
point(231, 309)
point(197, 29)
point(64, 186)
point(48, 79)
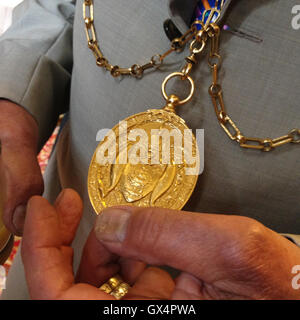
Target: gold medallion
point(167, 183)
point(150, 159)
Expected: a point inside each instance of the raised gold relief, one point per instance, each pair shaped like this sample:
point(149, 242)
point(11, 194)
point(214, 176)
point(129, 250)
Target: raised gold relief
point(159, 179)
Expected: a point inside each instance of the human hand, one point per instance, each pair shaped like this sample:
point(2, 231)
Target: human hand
point(220, 256)
point(47, 257)
point(20, 175)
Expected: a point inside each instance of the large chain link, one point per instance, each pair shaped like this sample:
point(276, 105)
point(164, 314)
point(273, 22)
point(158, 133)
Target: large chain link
point(229, 126)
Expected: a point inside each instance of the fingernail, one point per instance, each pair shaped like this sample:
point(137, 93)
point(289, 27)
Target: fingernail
point(111, 225)
point(19, 218)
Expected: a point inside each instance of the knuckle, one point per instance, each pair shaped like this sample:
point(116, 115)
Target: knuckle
point(245, 241)
point(255, 236)
point(248, 246)
point(252, 257)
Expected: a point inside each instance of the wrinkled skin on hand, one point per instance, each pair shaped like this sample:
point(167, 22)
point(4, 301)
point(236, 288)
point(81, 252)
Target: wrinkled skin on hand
point(20, 175)
point(220, 256)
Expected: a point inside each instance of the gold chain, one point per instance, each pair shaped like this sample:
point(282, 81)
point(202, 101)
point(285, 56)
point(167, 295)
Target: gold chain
point(198, 40)
point(230, 128)
point(135, 70)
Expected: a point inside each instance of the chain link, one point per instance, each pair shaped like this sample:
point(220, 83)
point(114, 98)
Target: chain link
point(135, 70)
point(228, 125)
point(197, 35)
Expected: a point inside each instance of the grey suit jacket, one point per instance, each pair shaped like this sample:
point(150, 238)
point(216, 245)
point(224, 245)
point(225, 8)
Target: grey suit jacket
point(47, 71)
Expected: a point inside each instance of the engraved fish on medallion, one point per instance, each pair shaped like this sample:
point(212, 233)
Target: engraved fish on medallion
point(161, 183)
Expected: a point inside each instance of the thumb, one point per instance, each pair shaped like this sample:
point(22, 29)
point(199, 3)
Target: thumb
point(20, 179)
point(200, 244)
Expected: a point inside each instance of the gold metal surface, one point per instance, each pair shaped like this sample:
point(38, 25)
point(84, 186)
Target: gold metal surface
point(116, 287)
point(182, 76)
point(161, 185)
point(121, 291)
point(115, 281)
point(106, 288)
